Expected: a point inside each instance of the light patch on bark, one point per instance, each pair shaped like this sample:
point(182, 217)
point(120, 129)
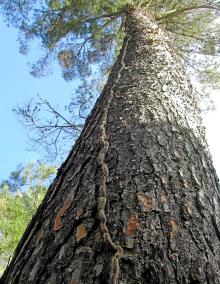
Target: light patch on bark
point(146, 201)
point(201, 197)
point(79, 212)
point(129, 242)
point(164, 199)
point(187, 209)
point(164, 180)
point(174, 228)
point(173, 234)
point(34, 271)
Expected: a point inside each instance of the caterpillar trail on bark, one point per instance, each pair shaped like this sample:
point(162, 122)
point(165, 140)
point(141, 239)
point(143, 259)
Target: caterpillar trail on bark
point(118, 251)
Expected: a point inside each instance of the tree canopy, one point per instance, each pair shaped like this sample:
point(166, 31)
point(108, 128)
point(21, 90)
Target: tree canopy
point(80, 33)
point(84, 37)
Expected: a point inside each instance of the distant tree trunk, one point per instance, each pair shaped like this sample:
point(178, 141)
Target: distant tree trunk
point(137, 200)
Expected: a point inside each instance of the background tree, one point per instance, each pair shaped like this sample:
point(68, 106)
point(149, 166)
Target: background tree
point(20, 196)
point(85, 39)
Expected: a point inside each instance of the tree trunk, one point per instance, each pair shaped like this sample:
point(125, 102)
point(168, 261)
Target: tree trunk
point(137, 200)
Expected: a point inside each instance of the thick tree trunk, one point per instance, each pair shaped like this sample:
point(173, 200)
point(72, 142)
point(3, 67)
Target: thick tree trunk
point(137, 200)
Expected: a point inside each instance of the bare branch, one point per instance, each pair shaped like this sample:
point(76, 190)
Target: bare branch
point(49, 131)
point(56, 112)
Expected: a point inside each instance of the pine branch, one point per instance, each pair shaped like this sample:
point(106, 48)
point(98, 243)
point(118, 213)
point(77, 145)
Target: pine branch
point(176, 12)
point(103, 16)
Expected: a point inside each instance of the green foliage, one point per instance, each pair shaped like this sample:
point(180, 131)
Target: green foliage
point(213, 76)
point(18, 205)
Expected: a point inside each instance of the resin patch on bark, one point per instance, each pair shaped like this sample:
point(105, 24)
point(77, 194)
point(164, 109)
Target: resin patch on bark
point(57, 223)
point(133, 225)
point(74, 280)
point(81, 232)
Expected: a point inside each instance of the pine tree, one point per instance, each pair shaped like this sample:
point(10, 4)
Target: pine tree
point(137, 200)
point(85, 39)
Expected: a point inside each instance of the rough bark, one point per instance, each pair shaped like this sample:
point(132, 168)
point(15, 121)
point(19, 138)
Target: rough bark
point(137, 200)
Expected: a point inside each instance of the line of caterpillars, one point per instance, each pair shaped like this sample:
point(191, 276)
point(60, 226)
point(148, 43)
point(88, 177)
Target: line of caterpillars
point(104, 175)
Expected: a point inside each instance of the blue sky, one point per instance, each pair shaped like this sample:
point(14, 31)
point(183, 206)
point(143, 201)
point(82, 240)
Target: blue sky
point(17, 86)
